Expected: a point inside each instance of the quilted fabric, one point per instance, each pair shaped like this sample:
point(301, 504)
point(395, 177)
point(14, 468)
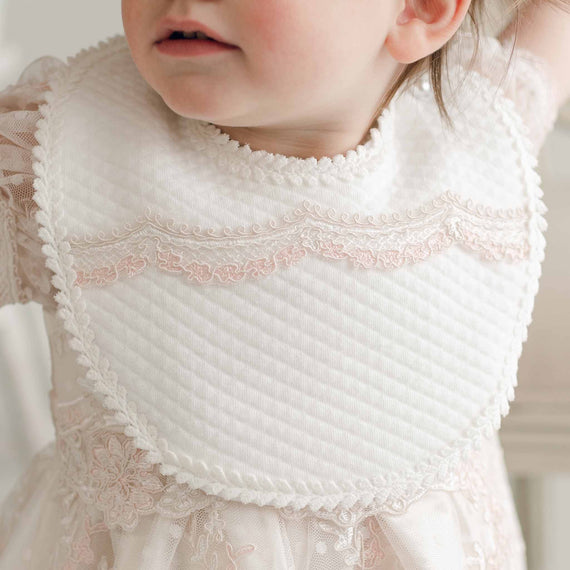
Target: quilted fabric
point(286, 331)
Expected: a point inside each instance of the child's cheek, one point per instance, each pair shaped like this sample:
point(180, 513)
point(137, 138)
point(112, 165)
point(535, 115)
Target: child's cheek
point(273, 25)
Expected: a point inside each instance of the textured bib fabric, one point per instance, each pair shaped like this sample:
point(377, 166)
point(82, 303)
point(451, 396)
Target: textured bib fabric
point(285, 331)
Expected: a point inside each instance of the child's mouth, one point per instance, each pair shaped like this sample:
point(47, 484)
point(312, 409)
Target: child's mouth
point(190, 36)
point(179, 46)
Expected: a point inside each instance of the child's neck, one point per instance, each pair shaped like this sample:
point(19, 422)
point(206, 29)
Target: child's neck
point(300, 143)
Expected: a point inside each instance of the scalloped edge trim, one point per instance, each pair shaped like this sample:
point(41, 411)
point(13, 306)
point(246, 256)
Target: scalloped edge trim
point(308, 210)
point(452, 228)
point(352, 165)
point(103, 383)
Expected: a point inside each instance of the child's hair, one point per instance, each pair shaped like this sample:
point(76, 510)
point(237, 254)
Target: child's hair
point(436, 62)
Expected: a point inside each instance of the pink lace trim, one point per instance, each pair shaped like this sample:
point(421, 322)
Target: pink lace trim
point(110, 481)
point(384, 241)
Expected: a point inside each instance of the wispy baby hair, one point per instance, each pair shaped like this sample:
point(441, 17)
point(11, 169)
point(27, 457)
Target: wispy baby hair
point(436, 62)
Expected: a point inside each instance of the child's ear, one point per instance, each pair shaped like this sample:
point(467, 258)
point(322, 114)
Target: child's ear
point(423, 26)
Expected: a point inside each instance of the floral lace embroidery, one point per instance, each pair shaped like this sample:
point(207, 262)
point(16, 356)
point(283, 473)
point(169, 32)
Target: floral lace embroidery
point(81, 551)
point(123, 479)
point(107, 483)
point(388, 243)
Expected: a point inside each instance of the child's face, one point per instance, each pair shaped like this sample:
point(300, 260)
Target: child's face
point(298, 60)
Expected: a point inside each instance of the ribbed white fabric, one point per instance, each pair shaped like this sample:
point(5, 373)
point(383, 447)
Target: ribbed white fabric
point(409, 300)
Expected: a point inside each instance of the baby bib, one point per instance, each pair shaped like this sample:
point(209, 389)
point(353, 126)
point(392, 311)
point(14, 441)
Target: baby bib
point(284, 331)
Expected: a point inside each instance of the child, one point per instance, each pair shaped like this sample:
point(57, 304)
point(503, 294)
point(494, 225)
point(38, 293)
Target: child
point(282, 335)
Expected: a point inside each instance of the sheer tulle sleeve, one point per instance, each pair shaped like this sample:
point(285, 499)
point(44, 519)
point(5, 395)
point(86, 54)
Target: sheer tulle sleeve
point(524, 77)
point(23, 274)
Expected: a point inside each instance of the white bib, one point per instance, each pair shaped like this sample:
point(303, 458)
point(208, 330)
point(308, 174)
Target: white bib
point(290, 331)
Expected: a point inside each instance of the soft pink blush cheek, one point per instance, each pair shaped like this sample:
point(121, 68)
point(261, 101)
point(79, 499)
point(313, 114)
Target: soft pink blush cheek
point(283, 43)
point(271, 24)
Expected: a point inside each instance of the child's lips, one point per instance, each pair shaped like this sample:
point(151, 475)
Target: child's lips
point(211, 40)
point(190, 48)
point(169, 25)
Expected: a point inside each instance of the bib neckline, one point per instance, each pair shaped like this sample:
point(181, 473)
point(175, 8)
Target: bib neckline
point(239, 160)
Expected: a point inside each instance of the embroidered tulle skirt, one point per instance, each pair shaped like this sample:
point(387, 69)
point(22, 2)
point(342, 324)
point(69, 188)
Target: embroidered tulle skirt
point(116, 512)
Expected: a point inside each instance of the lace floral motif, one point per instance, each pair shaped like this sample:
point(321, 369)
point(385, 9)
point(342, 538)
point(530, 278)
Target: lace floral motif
point(102, 467)
point(124, 480)
point(81, 552)
point(107, 484)
point(382, 241)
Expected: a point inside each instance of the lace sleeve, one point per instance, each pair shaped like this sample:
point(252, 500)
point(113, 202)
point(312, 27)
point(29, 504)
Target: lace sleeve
point(23, 274)
point(524, 77)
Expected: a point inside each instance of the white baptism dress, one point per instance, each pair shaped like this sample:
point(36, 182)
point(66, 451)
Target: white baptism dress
point(263, 362)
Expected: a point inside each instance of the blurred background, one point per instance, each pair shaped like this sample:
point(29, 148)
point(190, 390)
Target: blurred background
point(535, 434)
